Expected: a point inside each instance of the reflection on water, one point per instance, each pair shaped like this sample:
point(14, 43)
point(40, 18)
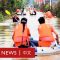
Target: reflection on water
point(5, 36)
point(51, 57)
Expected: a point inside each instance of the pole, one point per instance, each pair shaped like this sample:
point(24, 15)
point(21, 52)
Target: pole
point(50, 4)
point(44, 2)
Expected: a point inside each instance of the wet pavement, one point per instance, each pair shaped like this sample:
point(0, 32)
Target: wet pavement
point(7, 31)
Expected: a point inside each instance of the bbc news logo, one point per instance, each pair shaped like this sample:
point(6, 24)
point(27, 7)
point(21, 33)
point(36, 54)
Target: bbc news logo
point(17, 52)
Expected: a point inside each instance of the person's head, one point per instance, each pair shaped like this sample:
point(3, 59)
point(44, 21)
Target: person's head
point(41, 20)
point(24, 20)
point(48, 9)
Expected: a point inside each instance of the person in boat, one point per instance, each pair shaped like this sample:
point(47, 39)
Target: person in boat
point(23, 11)
point(33, 13)
point(15, 18)
point(21, 34)
point(45, 31)
point(49, 14)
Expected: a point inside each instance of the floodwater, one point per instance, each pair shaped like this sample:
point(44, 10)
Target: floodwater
point(7, 31)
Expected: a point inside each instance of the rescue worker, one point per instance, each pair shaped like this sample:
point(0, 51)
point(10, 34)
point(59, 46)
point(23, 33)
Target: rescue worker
point(48, 14)
point(21, 34)
point(46, 37)
point(15, 18)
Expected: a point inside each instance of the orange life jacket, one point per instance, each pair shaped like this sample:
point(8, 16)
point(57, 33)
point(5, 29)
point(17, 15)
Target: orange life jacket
point(20, 37)
point(45, 35)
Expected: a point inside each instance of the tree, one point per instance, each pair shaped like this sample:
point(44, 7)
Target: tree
point(56, 9)
point(24, 3)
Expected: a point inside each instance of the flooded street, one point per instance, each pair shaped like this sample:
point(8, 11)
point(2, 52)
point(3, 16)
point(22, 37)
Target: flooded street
point(51, 57)
point(5, 36)
point(7, 31)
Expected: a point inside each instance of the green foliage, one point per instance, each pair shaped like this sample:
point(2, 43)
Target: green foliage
point(11, 5)
point(0, 4)
point(46, 7)
point(24, 3)
point(18, 4)
point(21, 3)
point(56, 9)
point(1, 17)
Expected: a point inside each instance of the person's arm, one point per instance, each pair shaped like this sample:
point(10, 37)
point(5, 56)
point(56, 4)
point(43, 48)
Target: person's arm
point(13, 36)
point(57, 38)
point(29, 33)
point(38, 30)
point(14, 31)
point(17, 18)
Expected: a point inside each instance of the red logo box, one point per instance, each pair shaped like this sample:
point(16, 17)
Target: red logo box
point(17, 52)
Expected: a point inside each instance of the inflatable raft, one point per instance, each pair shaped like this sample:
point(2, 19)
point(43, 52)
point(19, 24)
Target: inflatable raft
point(47, 50)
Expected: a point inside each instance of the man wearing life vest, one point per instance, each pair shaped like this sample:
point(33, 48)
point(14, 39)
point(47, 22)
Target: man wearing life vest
point(45, 33)
point(21, 33)
point(48, 14)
